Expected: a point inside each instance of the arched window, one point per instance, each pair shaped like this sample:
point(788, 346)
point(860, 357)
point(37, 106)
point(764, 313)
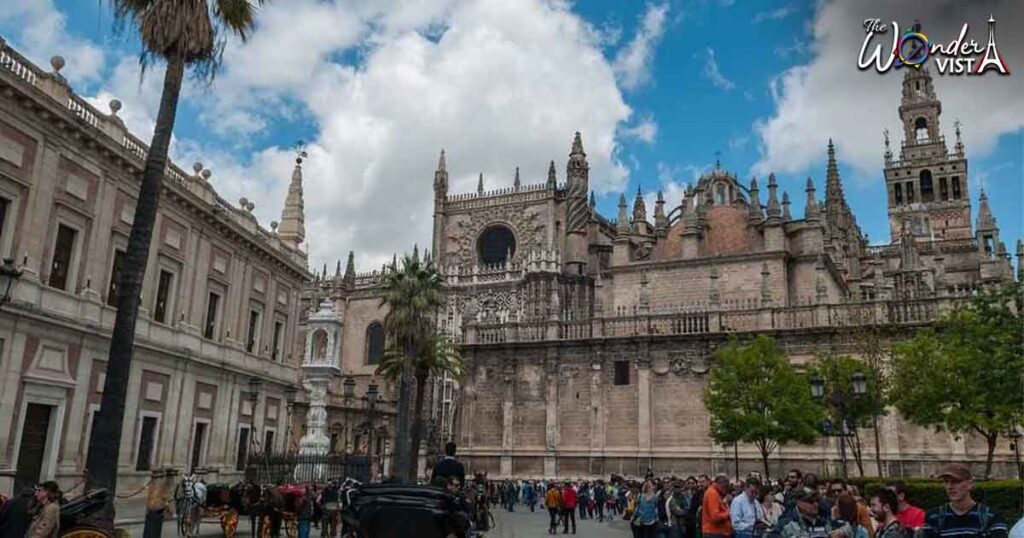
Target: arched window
point(496, 245)
point(921, 129)
point(374, 343)
point(927, 194)
point(956, 187)
point(320, 346)
point(720, 194)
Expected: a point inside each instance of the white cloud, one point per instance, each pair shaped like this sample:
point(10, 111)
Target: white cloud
point(829, 96)
point(646, 130)
point(497, 84)
point(633, 62)
point(773, 14)
point(713, 73)
point(41, 33)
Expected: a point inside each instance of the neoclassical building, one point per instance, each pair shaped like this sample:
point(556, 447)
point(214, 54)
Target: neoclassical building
point(217, 345)
point(589, 339)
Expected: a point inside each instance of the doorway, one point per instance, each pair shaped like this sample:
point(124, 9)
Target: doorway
point(34, 434)
point(197, 444)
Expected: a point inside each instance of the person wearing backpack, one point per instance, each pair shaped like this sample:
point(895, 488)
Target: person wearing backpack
point(962, 516)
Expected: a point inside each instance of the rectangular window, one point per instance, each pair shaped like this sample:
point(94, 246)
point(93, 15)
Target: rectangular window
point(212, 303)
point(63, 251)
point(268, 441)
point(242, 455)
point(910, 192)
point(275, 349)
point(621, 372)
point(115, 277)
point(897, 193)
point(163, 294)
point(197, 445)
point(252, 338)
point(956, 187)
point(147, 438)
point(943, 189)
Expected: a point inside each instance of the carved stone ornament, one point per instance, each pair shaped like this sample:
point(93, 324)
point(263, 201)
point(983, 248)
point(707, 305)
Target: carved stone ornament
point(643, 251)
point(678, 366)
point(660, 366)
point(526, 223)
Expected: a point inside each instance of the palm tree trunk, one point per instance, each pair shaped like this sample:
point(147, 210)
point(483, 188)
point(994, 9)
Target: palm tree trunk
point(417, 425)
point(102, 459)
point(400, 468)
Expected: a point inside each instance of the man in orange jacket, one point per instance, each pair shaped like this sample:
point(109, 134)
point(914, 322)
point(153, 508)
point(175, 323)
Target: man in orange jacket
point(715, 521)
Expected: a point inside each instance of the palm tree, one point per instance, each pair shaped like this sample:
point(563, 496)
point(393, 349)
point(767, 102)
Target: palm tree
point(184, 34)
point(435, 355)
point(411, 294)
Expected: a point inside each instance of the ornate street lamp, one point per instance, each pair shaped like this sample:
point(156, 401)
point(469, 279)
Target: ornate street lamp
point(348, 387)
point(847, 427)
point(9, 275)
point(1015, 438)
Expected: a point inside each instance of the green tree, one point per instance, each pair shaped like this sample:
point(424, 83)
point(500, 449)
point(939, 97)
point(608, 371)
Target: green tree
point(755, 395)
point(964, 374)
point(871, 344)
point(841, 402)
point(412, 294)
point(183, 34)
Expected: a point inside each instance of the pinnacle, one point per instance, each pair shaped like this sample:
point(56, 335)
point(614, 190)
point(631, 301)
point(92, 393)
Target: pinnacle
point(442, 164)
point(577, 145)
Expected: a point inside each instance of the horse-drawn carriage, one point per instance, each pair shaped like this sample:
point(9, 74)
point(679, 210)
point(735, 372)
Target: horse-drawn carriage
point(76, 519)
point(195, 501)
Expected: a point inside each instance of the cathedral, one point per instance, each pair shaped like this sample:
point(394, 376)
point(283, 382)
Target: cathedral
point(589, 339)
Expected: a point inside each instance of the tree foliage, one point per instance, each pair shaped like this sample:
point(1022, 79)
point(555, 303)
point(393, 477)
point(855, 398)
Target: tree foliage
point(755, 396)
point(965, 374)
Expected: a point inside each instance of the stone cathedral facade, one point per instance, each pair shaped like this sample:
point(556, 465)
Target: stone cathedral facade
point(589, 339)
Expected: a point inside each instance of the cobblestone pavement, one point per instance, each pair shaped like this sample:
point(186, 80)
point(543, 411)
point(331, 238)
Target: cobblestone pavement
point(522, 524)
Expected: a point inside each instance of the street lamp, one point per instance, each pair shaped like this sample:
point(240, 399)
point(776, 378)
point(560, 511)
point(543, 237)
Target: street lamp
point(370, 400)
point(348, 387)
point(9, 275)
point(1015, 438)
point(254, 398)
point(847, 427)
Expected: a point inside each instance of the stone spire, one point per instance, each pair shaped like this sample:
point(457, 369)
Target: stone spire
point(623, 223)
point(515, 182)
point(552, 178)
point(985, 219)
point(959, 143)
point(774, 209)
point(754, 212)
point(811, 212)
point(292, 229)
point(660, 221)
point(888, 150)
point(441, 176)
point(833, 185)
point(480, 184)
point(639, 207)
point(593, 201)
point(350, 269)
point(786, 217)
point(578, 170)
point(337, 270)
point(689, 212)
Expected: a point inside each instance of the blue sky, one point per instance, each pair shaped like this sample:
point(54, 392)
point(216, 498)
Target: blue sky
point(658, 89)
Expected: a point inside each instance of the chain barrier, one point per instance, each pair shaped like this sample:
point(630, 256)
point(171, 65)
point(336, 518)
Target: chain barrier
point(80, 483)
point(137, 492)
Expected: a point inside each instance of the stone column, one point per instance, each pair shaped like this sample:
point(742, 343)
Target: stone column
point(507, 416)
point(551, 412)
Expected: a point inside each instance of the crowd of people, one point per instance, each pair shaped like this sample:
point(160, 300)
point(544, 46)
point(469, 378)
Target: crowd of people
point(799, 506)
point(34, 513)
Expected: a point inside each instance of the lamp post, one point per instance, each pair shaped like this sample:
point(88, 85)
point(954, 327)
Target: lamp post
point(847, 428)
point(1015, 438)
point(9, 275)
point(348, 391)
point(289, 401)
point(370, 402)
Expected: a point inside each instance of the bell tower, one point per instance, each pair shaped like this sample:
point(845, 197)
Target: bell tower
point(927, 185)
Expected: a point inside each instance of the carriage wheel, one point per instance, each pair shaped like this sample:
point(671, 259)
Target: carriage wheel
point(265, 527)
point(291, 528)
point(85, 533)
point(229, 523)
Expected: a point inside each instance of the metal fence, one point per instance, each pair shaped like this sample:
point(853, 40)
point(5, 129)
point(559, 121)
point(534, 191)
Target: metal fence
point(293, 468)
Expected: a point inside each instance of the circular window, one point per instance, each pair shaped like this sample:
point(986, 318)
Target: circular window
point(496, 245)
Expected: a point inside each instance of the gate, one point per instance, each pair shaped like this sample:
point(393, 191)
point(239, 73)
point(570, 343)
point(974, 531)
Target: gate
point(291, 467)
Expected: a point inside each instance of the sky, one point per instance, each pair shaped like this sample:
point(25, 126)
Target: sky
point(659, 90)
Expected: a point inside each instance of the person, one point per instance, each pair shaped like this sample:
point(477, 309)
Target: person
point(553, 502)
point(17, 515)
point(678, 505)
point(46, 523)
point(600, 498)
point(304, 512)
point(794, 481)
point(837, 488)
point(909, 515)
point(745, 512)
point(884, 506)
point(568, 508)
point(962, 516)
point(715, 521)
point(846, 511)
point(772, 508)
point(645, 517)
point(809, 522)
point(581, 500)
point(448, 467)
point(530, 495)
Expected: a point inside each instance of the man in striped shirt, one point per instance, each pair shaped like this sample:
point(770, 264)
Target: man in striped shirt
point(962, 516)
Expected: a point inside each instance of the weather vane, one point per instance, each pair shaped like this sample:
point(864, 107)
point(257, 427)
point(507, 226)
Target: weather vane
point(300, 150)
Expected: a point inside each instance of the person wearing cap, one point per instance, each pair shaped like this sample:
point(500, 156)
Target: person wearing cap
point(909, 515)
point(962, 516)
point(808, 521)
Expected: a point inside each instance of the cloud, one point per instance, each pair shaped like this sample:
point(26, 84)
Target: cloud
point(829, 97)
point(713, 73)
point(773, 15)
point(646, 130)
point(633, 62)
point(496, 84)
point(41, 32)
